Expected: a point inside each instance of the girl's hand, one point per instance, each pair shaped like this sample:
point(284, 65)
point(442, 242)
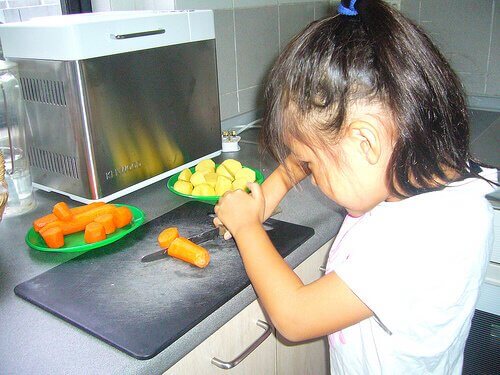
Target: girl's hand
point(238, 210)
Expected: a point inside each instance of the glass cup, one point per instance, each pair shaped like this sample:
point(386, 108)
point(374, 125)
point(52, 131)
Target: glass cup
point(13, 142)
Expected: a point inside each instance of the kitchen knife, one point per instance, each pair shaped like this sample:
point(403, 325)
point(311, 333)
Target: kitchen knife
point(197, 239)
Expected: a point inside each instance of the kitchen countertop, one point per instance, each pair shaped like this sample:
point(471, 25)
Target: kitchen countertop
point(35, 341)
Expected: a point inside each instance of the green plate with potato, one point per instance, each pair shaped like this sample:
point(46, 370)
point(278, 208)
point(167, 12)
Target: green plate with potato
point(259, 178)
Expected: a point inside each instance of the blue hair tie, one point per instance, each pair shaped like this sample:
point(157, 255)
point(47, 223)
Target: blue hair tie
point(351, 11)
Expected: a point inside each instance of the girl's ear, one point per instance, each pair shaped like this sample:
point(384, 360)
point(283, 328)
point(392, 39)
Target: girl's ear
point(366, 139)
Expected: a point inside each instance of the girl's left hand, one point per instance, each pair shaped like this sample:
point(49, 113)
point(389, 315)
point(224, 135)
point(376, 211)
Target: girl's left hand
point(237, 210)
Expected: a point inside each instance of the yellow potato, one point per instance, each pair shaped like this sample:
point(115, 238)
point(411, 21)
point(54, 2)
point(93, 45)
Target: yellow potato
point(183, 187)
point(211, 178)
point(198, 178)
point(222, 171)
point(203, 190)
point(245, 174)
point(205, 165)
point(185, 175)
point(223, 184)
point(232, 166)
point(240, 184)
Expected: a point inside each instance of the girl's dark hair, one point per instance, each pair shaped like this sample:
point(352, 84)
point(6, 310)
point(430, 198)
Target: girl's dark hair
point(378, 55)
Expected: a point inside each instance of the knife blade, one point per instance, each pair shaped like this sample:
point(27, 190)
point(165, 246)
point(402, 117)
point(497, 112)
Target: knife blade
point(197, 239)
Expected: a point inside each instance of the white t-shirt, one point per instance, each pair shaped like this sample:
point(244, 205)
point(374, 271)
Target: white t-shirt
point(417, 264)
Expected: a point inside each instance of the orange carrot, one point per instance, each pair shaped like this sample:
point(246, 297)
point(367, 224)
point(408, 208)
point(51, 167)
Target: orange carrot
point(182, 248)
point(107, 221)
point(44, 220)
point(167, 236)
point(62, 211)
point(53, 237)
point(80, 221)
point(122, 216)
point(94, 232)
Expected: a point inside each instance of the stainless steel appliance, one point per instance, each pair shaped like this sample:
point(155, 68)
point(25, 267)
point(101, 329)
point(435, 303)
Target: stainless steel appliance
point(116, 100)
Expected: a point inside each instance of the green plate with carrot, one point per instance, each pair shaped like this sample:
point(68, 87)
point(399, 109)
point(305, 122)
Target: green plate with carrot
point(75, 242)
point(259, 178)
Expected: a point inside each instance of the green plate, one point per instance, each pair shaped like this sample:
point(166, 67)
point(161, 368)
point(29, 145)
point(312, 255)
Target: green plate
point(259, 178)
point(75, 242)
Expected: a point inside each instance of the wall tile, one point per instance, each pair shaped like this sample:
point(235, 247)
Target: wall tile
point(28, 13)
point(493, 85)
point(293, 19)
point(464, 31)
point(203, 4)
point(226, 53)
point(23, 3)
point(251, 98)
point(257, 44)
point(473, 83)
point(324, 8)
point(164, 4)
point(3, 4)
point(11, 15)
point(122, 5)
point(101, 5)
point(295, 1)
point(254, 3)
point(228, 105)
point(494, 65)
point(411, 9)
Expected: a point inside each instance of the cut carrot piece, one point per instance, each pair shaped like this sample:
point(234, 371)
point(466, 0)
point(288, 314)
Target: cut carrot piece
point(62, 211)
point(53, 237)
point(44, 220)
point(94, 232)
point(182, 248)
point(80, 221)
point(167, 236)
point(122, 216)
point(107, 221)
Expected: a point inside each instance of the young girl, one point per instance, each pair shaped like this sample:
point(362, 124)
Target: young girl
point(366, 104)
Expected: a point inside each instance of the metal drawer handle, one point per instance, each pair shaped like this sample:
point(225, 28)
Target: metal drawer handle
point(322, 269)
point(230, 364)
point(137, 35)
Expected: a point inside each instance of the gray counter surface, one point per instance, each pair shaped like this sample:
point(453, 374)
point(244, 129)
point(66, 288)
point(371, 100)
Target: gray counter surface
point(33, 341)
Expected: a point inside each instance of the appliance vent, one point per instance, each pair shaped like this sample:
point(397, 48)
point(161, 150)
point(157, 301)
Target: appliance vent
point(43, 91)
point(54, 162)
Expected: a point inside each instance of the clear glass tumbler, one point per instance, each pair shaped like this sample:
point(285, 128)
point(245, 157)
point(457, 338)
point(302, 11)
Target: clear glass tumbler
point(13, 142)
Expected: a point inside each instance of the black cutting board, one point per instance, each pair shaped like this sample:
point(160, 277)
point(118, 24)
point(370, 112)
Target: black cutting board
point(141, 308)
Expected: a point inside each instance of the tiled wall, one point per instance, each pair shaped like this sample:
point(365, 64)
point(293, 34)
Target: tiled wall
point(249, 35)
point(468, 33)
point(23, 10)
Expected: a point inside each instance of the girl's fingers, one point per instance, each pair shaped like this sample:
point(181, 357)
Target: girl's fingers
point(256, 190)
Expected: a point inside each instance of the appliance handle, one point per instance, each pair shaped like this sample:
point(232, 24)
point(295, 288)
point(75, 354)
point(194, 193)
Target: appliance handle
point(137, 35)
point(230, 364)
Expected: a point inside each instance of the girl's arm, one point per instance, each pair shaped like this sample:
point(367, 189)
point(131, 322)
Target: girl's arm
point(280, 182)
point(298, 311)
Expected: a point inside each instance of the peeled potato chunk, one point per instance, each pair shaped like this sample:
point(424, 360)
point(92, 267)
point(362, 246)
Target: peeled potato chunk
point(240, 184)
point(185, 175)
point(232, 166)
point(222, 171)
point(211, 178)
point(205, 165)
point(223, 184)
point(183, 187)
point(203, 190)
point(198, 178)
point(245, 174)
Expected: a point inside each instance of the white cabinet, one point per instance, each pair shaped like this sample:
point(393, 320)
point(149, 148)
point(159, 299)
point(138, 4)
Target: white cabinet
point(311, 357)
point(273, 355)
point(226, 344)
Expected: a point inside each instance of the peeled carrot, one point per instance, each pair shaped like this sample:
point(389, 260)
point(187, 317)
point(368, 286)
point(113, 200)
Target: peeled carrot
point(167, 236)
point(107, 221)
point(44, 220)
point(182, 248)
point(94, 232)
point(80, 221)
point(62, 211)
point(53, 237)
point(122, 216)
